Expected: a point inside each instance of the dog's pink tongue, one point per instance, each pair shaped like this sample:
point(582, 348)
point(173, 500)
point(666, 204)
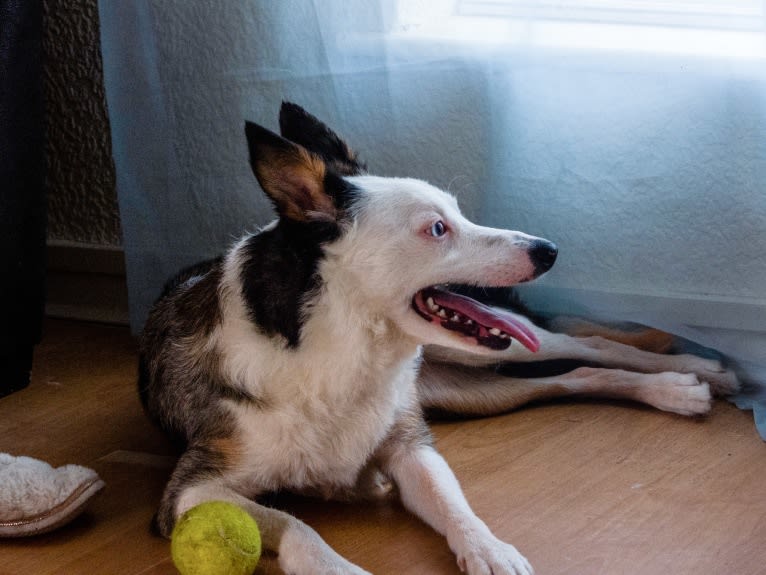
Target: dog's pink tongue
point(488, 317)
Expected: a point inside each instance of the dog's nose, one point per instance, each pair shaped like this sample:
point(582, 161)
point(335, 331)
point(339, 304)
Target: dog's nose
point(543, 255)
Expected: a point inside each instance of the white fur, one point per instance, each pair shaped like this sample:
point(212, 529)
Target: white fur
point(388, 256)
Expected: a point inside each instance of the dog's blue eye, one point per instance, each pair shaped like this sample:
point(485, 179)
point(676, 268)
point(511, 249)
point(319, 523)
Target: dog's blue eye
point(438, 229)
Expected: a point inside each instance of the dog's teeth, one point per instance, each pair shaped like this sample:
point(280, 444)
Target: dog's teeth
point(504, 335)
point(442, 314)
point(468, 322)
point(431, 305)
point(455, 318)
point(494, 331)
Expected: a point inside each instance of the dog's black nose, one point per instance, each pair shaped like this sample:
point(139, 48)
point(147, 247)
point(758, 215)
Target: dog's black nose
point(543, 254)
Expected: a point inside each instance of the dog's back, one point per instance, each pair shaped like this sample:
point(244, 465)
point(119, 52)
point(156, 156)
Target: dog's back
point(176, 375)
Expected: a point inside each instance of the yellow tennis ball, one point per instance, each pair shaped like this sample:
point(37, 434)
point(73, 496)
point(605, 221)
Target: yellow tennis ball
point(216, 538)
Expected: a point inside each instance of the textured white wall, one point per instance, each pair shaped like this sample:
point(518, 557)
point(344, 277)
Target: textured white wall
point(82, 201)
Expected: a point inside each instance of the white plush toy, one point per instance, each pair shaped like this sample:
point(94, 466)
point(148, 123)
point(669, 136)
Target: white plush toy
point(36, 498)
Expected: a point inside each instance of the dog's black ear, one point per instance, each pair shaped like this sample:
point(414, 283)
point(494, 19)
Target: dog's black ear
point(291, 176)
point(297, 125)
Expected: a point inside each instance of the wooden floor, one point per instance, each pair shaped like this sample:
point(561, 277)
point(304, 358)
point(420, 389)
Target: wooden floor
point(579, 488)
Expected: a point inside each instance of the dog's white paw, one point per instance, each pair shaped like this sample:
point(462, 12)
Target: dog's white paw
point(490, 556)
point(681, 393)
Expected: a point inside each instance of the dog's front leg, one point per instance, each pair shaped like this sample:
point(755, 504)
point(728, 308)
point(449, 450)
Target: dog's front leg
point(299, 549)
point(302, 551)
point(430, 490)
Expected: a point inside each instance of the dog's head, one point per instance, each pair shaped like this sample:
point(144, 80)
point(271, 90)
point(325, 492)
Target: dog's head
point(395, 245)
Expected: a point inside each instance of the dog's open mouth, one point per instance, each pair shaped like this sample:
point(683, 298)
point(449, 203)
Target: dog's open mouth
point(490, 327)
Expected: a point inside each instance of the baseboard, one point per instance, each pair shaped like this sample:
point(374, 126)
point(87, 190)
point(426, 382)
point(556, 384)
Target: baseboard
point(86, 282)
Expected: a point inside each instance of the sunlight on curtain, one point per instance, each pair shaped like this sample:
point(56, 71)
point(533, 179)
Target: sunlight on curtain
point(696, 27)
point(629, 132)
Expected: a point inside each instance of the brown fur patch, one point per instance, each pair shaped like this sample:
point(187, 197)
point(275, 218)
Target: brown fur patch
point(294, 178)
point(645, 338)
point(652, 340)
point(229, 449)
point(648, 339)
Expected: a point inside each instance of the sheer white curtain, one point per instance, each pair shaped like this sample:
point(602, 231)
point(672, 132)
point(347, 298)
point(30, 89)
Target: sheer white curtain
point(629, 132)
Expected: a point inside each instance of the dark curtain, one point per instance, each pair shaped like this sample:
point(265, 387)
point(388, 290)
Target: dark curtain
point(22, 198)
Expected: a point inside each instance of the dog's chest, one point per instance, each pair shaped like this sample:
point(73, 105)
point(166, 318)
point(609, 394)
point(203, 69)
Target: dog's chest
point(319, 429)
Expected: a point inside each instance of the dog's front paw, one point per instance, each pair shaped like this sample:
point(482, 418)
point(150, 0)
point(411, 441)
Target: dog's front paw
point(490, 556)
point(680, 393)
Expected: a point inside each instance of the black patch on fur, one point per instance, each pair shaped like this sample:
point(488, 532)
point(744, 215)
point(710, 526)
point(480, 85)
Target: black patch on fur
point(279, 274)
point(343, 193)
point(298, 126)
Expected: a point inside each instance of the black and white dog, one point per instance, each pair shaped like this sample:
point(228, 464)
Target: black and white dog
point(296, 361)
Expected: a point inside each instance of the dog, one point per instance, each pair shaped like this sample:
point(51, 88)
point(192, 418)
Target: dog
point(305, 358)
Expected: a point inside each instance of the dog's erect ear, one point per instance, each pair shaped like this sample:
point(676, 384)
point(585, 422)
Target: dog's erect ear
point(290, 175)
point(297, 125)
